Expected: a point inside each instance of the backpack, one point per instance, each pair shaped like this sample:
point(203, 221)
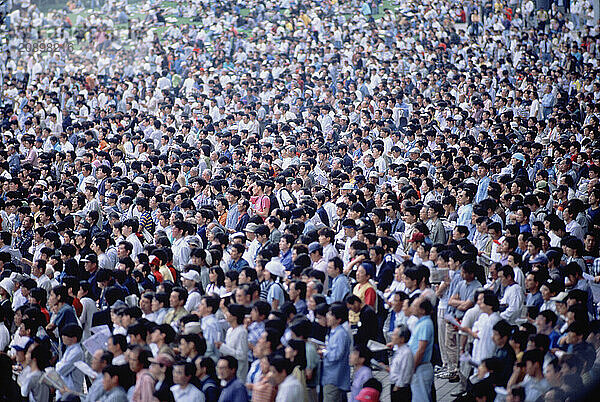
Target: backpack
point(274, 202)
point(291, 196)
point(286, 297)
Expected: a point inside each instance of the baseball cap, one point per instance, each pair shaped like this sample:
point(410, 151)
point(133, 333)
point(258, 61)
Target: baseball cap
point(192, 328)
point(561, 297)
point(163, 359)
point(368, 394)
point(93, 258)
point(250, 227)
point(314, 246)
point(417, 237)
point(539, 259)
point(519, 156)
point(191, 276)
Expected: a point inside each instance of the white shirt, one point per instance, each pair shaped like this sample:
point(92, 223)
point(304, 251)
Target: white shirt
point(484, 347)
point(189, 393)
point(89, 308)
point(193, 301)
point(236, 345)
point(402, 367)
point(513, 297)
point(4, 336)
point(137, 245)
point(181, 253)
point(289, 390)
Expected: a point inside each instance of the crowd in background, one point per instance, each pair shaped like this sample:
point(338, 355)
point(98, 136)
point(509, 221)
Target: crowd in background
point(299, 201)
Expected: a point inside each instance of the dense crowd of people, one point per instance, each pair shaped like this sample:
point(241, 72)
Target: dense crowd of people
point(282, 201)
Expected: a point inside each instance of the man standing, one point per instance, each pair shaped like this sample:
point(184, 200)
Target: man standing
point(210, 326)
point(183, 390)
point(336, 366)
point(340, 286)
point(234, 390)
point(181, 249)
point(177, 300)
point(421, 345)
point(513, 295)
point(288, 386)
point(191, 281)
point(129, 230)
point(100, 360)
point(73, 378)
point(144, 382)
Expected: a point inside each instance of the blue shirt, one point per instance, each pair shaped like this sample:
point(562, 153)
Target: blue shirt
point(301, 307)
point(71, 375)
point(238, 265)
point(336, 366)
point(234, 391)
point(482, 189)
point(65, 316)
point(535, 299)
point(339, 288)
point(286, 260)
point(232, 217)
point(275, 292)
point(465, 291)
point(423, 332)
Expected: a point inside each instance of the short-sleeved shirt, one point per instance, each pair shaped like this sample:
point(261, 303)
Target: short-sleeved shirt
point(423, 331)
point(275, 292)
point(466, 291)
point(34, 389)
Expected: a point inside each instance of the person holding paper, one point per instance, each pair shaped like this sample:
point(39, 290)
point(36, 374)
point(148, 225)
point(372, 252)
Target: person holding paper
point(73, 378)
point(100, 360)
point(32, 386)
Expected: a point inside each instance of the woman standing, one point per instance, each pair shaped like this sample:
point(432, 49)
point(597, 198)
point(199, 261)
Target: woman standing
point(236, 339)
point(364, 289)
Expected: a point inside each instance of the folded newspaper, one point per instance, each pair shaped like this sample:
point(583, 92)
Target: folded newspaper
point(375, 346)
point(52, 379)
point(85, 369)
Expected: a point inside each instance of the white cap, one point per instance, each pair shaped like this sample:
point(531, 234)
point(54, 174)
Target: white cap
point(191, 276)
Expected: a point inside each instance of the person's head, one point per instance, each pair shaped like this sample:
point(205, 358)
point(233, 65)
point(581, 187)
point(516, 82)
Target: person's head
point(112, 376)
point(506, 274)
point(279, 369)
point(295, 352)
point(534, 360)
point(139, 358)
point(71, 334)
point(552, 372)
point(208, 305)
point(501, 332)
point(335, 267)
point(117, 344)
point(577, 332)
point(101, 359)
point(178, 297)
point(227, 368)
point(545, 321)
point(183, 373)
point(401, 335)
point(354, 303)
point(337, 315)
point(206, 367)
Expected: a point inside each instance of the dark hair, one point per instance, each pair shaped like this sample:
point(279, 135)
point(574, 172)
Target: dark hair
point(281, 364)
point(121, 340)
point(232, 362)
point(300, 348)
